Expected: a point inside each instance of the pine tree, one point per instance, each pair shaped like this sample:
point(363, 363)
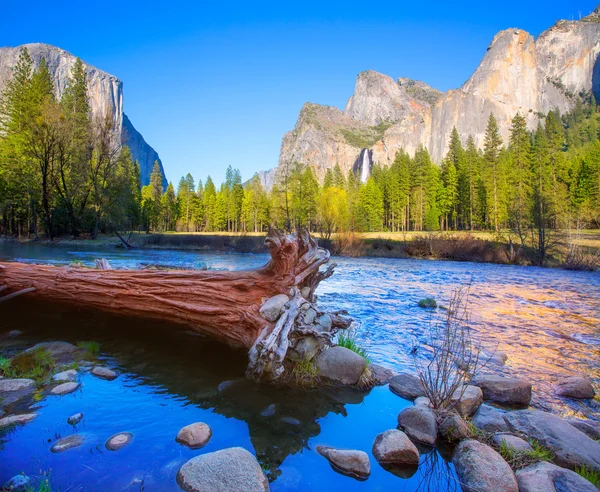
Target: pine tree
point(519, 148)
point(493, 171)
point(370, 206)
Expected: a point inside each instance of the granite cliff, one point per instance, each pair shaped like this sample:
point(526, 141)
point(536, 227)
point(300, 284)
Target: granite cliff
point(517, 73)
point(105, 93)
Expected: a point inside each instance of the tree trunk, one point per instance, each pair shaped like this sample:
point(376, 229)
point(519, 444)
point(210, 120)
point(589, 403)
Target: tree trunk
point(222, 304)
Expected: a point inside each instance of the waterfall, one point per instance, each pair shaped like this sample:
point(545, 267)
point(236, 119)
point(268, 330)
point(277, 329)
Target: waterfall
point(365, 167)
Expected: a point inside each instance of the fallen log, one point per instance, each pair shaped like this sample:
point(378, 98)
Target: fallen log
point(223, 304)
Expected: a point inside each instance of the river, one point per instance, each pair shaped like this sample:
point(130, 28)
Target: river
point(547, 322)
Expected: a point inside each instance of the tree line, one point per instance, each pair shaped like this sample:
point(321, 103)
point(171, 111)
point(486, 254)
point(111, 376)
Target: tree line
point(62, 170)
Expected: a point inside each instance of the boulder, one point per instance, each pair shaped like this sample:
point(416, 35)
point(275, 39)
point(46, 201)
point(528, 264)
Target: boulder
point(75, 419)
point(306, 348)
point(12, 390)
point(423, 401)
point(59, 351)
point(571, 447)
point(340, 365)
point(516, 443)
point(17, 419)
point(325, 322)
point(381, 375)
point(269, 411)
point(467, 403)
point(227, 470)
point(419, 423)
point(67, 443)
point(195, 435)
point(64, 389)
point(479, 468)
point(548, 477)
point(589, 427)
point(575, 387)
point(65, 376)
point(507, 391)
point(271, 309)
point(18, 483)
point(290, 421)
point(453, 428)
point(119, 441)
point(393, 447)
point(488, 419)
point(407, 386)
point(104, 373)
point(309, 316)
point(348, 462)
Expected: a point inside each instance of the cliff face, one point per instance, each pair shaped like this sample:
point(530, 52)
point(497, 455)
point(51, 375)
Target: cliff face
point(105, 93)
point(517, 73)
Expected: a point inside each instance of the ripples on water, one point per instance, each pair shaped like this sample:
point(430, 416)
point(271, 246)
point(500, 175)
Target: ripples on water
point(547, 321)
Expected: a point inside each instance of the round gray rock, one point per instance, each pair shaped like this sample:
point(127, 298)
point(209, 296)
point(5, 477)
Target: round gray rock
point(490, 420)
point(453, 428)
point(381, 375)
point(75, 419)
point(348, 462)
point(67, 443)
point(480, 468)
point(467, 400)
point(65, 376)
point(195, 435)
point(119, 441)
point(393, 447)
point(571, 447)
point(516, 443)
point(575, 387)
point(548, 477)
point(17, 419)
point(104, 373)
point(340, 365)
point(508, 391)
point(419, 423)
point(272, 307)
point(64, 389)
point(407, 386)
point(59, 351)
point(228, 470)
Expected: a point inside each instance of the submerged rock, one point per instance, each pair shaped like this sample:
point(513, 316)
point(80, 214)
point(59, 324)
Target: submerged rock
point(453, 428)
point(518, 444)
point(575, 387)
point(271, 309)
point(65, 376)
point(570, 446)
point(467, 403)
point(195, 435)
point(119, 441)
point(393, 447)
point(12, 390)
point(340, 365)
point(290, 421)
point(75, 419)
point(407, 386)
point(227, 470)
point(508, 391)
point(104, 373)
point(17, 419)
point(480, 468)
point(67, 443)
point(349, 462)
point(18, 483)
point(548, 477)
point(64, 389)
point(269, 411)
point(419, 423)
point(488, 419)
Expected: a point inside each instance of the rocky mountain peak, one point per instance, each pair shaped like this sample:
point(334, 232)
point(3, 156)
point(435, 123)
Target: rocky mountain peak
point(420, 91)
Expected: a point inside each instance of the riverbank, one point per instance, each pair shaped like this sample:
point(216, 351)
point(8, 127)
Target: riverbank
point(565, 251)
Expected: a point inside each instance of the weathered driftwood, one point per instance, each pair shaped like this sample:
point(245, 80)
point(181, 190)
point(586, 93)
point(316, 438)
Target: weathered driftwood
point(222, 304)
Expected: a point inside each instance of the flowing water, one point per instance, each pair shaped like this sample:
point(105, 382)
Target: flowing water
point(547, 321)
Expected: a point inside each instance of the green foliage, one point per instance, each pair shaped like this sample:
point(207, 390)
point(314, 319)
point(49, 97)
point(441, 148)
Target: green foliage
point(305, 373)
point(90, 346)
point(35, 364)
point(363, 139)
point(590, 475)
point(349, 341)
point(519, 459)
point(428, 302)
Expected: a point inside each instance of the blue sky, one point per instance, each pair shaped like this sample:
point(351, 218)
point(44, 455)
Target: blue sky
point(218, 84)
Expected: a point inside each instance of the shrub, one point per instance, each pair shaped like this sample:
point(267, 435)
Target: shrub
point(92, 348)
point(349, 244)
point(428, 302)
point(348, 340)
point(590, 475)
point(36, 364)
point(305, 373)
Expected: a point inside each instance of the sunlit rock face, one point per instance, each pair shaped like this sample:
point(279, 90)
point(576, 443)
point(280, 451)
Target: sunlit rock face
point(105, 92)
point(517, 74)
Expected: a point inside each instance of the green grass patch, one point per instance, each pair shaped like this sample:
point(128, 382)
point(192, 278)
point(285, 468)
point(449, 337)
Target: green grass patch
point(428, 302)
point(366, 138)
point(35, 364)
point(305, 373)
point(591, 476)
point(91, 347)
point(519, 459)
point(348, 340)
